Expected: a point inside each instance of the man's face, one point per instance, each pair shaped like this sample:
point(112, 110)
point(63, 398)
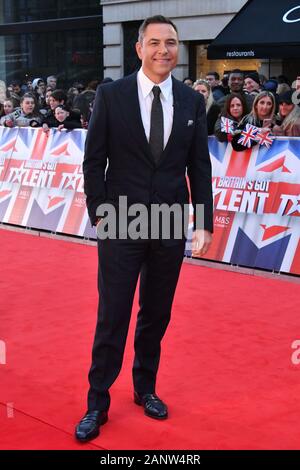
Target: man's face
point(41, 85)
point(52, 82)
point(16, 88)
point(236, 82)
point(158, 51)
point(211, 79)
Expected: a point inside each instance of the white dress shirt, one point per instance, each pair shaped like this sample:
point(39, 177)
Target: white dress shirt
point(145, 86)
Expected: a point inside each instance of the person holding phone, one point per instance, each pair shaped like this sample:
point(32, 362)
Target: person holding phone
point(261, 115)
point(289, 116)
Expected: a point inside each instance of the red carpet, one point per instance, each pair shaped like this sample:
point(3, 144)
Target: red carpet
point(226, 370)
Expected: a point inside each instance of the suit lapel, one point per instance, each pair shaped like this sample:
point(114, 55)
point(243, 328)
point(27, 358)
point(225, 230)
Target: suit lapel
point(178, 106)
point(132, 117)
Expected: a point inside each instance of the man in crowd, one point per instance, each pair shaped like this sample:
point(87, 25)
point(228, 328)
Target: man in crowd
point(236, 85)
point(213, 78)
point(52, 82)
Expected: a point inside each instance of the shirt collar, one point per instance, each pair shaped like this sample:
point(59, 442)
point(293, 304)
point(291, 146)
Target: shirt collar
point(146, 85)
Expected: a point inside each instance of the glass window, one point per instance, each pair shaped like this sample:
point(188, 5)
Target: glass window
point(14, 11)
point(74, 55)
point(130, 35)
point(203, 65)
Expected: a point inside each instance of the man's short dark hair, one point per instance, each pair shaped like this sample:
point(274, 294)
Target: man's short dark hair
point(215, 74)
point(237, 71)
point(157, 19)
point(59, 95)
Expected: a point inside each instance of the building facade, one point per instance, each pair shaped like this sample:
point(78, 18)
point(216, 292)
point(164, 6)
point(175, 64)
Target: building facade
point(198, 22)
point(51, 37)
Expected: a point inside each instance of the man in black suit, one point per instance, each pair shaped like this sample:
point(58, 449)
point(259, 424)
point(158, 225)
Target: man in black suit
point(146, 130)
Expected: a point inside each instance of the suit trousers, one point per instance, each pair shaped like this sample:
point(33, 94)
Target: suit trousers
point(120, 264)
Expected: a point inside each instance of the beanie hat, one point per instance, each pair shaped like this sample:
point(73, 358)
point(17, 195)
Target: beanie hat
point(286, 97)
point(271, 85)
point(254, 76)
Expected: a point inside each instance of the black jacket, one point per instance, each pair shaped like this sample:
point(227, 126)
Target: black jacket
point(212, 116)
point(116, 135)
point(72, 121)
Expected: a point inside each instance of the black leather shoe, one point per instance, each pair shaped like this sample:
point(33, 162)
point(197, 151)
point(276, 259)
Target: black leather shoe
point(89, 427)
point(153, 406)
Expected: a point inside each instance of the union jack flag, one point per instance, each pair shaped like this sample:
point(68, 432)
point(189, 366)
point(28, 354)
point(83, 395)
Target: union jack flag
point(227, 125)
point(268, 238)
point(247, 135)
point(264, 138)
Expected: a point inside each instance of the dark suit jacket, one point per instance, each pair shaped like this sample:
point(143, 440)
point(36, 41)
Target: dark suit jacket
point(116, 135)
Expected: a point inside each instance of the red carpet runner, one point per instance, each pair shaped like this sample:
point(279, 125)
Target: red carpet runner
point(226, 370)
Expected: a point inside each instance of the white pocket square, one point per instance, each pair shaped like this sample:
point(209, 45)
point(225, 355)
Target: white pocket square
point(190, 122)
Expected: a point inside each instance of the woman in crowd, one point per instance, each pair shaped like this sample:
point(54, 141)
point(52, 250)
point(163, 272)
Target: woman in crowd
point(212, 108)
point(64, 118)
point(46, 108)
point(82, 101)
point(289, 115)
point(235, 108)
point(261, 115)
point(39, 91)
point(25, 116)
point(48, 95)
point(57, 98)
point(7, 108)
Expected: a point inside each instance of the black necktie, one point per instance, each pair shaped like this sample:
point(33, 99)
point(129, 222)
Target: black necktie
point(156, 139)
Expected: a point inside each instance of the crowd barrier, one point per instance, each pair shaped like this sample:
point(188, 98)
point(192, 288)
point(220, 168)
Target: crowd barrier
point(256, 194)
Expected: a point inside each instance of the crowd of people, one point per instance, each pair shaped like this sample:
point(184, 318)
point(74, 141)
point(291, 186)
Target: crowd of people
point(249, 98)
point(243, 98)
point(42, 103)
